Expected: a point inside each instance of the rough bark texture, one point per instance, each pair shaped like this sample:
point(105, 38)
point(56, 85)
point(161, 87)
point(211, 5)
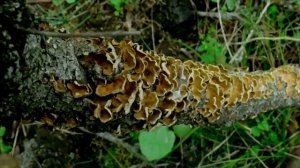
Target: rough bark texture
point(114, 84)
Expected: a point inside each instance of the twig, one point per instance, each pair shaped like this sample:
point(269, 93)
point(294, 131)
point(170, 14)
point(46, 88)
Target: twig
point(152, 31)
point(82, 34)
point(216, 148)
point(225, 15)
point(242, 48)
point(287, 38)
point(254, 154)
point(16, 138)
point(222, 29)
point(67, 131)
point(109, 137)
point(38, 1)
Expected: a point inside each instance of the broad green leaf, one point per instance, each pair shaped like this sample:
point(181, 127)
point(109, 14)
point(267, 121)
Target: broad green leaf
point(156, 144)
point(2, 131)
point(230, 4)
point(182, 130)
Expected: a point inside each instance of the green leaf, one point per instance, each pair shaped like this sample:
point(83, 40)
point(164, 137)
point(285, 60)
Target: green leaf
point(272, 11)
point(156, 144)
point(2, 131)
point(212, 50)
point(57, 2)
point(297, 34)
point(5, 148)
point(182, 130)
point(254, 150)
point(274, 138)
point(208, 59)
point(134, 135)
point(264, 126)
point(230, 4)
point(71, 1)
point(118, 5)
point(255, 131)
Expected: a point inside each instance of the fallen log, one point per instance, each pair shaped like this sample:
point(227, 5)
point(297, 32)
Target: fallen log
point(117, 84)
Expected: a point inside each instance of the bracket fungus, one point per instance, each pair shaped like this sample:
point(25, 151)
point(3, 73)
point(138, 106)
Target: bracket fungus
point(154, 88)
point(79, 90)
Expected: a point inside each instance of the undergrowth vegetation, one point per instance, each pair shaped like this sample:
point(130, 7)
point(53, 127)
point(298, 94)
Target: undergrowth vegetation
point(253, 35)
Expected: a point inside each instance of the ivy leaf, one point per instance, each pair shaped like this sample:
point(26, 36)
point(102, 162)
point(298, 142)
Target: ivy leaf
point(156, 144)
point(182, 130)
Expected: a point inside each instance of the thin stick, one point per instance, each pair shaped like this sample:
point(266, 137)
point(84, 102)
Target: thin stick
point(225, 16)
point(152, 31)
point(38, 1)
point(15, 139)
point(215, 149)
point(83, 34)
point(242, 48)
point(287, 38)
point(255, 155)
point(222, 29)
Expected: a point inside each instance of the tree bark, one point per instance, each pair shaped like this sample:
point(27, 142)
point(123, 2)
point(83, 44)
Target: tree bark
point(108, 85)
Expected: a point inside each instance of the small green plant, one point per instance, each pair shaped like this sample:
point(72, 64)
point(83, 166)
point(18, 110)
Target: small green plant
point(157, 143)
point(229, 4)
point(211, 50)
point(3, 148)
point(118, 6)
point(66, 14)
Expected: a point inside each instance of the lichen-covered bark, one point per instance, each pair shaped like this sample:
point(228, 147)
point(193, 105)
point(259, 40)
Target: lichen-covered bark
point(118, 84)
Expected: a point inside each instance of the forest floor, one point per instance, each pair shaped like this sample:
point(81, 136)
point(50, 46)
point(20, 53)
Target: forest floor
point(248, 34)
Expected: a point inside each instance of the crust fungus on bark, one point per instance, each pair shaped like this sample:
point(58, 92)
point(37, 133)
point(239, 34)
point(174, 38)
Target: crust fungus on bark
point(191, 92)
point(124, 84)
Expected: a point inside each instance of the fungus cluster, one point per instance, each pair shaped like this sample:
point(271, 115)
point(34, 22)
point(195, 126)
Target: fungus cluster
point(155, 88)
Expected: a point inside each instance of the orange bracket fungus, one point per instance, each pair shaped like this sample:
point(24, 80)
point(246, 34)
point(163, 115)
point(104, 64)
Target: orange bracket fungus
point(124, 80)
